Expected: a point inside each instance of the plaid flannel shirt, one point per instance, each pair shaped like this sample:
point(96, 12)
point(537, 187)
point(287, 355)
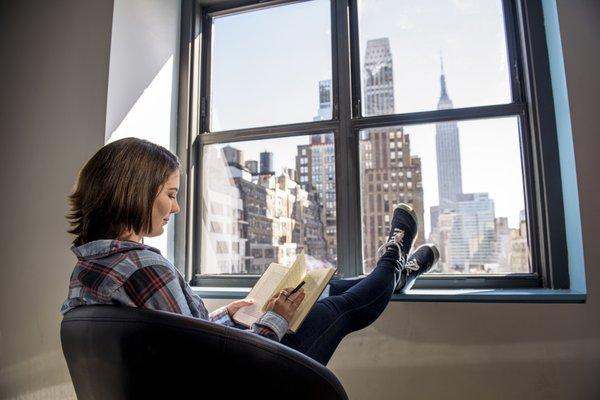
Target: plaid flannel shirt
point(137, 275)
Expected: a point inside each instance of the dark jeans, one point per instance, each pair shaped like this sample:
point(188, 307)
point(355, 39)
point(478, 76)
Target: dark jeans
point(353, 304)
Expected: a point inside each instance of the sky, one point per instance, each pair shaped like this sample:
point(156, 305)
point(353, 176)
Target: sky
point(267, 65)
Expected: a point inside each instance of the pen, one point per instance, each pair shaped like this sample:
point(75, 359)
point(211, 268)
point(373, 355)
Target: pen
point(297, 288)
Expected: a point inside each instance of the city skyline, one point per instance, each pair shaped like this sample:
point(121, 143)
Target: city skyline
point(500, 239)
point(492, 233)
point(476, 136)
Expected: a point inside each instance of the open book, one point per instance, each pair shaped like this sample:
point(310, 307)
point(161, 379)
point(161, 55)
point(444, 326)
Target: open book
point(276, 278)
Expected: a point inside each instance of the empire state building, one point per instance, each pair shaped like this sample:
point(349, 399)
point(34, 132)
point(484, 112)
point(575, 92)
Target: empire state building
point(448, 153)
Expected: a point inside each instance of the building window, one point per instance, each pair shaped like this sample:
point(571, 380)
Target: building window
point(455, 130)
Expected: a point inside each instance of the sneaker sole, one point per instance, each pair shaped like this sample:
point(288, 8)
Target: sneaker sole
point(436, 252)
point(412, 213)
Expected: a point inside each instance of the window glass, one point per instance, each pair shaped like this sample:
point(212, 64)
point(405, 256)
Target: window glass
point(409, 47)
point(271, 66)
point(464, 181)
point(271, 210)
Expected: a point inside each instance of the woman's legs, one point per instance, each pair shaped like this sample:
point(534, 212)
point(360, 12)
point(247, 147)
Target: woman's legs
point(361, 302)
point(340, 285)
point(333, 317)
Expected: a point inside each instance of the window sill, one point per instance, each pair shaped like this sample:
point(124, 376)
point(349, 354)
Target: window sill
point(494, 295)
point(439, 295)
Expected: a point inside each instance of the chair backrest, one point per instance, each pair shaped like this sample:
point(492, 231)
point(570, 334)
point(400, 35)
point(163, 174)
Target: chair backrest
point(117, 352)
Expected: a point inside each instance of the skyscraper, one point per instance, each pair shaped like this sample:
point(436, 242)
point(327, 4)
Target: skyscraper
point(463, 225)
point(471, 242)
point(378, 78)
point(447, 147)
point(389, 173)
point(315, 166)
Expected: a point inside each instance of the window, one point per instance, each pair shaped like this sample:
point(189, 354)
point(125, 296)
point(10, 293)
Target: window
point(444, 105)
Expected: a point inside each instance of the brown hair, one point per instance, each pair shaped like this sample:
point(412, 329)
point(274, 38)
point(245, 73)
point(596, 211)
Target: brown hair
point(116, 189)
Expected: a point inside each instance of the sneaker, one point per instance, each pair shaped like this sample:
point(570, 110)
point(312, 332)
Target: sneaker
point(402, 236)
point(403, 231)
point(419, 262)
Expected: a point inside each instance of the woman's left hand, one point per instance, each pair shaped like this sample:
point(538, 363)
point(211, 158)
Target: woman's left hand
point(233, 307)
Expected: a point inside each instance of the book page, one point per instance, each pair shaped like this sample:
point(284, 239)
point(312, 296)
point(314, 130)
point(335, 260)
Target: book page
point(294, 276)
point(261, 294)
point(310, 287)
point(316, 280)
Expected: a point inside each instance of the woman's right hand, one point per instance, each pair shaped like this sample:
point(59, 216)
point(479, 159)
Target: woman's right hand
point(284, 305)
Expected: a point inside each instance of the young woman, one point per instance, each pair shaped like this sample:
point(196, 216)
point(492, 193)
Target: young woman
point(128, 191)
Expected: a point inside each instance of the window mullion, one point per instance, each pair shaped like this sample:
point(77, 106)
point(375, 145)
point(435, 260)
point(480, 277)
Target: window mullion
point(355, 60)
point(269, 132)
point(203, 120)
point(348, 210)
point(185, 115)
point(205, 72)
point(426, 117)
point(512, 44)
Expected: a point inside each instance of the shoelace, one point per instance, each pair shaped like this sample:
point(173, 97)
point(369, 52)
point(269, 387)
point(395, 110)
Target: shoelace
point(397, 241)
point(412, 265)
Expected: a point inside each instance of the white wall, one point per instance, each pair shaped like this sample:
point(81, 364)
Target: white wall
point(53, 117)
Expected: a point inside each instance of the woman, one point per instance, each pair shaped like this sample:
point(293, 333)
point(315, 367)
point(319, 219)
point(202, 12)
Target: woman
point(128, 191)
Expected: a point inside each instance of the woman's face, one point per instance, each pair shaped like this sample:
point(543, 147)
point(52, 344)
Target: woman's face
point(165, 205)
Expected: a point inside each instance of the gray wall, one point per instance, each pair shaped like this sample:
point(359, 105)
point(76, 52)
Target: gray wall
point(54, 72)
point(54, 75)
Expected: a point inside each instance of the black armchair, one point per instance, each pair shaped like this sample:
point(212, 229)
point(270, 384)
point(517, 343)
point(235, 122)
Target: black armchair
point(116, 352)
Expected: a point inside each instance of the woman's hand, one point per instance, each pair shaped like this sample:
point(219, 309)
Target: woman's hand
point(284, 305)
point(234, 306)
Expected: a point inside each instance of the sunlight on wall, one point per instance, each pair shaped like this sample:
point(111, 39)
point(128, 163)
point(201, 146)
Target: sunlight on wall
point(150, 118)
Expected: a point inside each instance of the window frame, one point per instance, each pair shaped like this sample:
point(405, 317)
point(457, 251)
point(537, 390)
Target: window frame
point(532, 103)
